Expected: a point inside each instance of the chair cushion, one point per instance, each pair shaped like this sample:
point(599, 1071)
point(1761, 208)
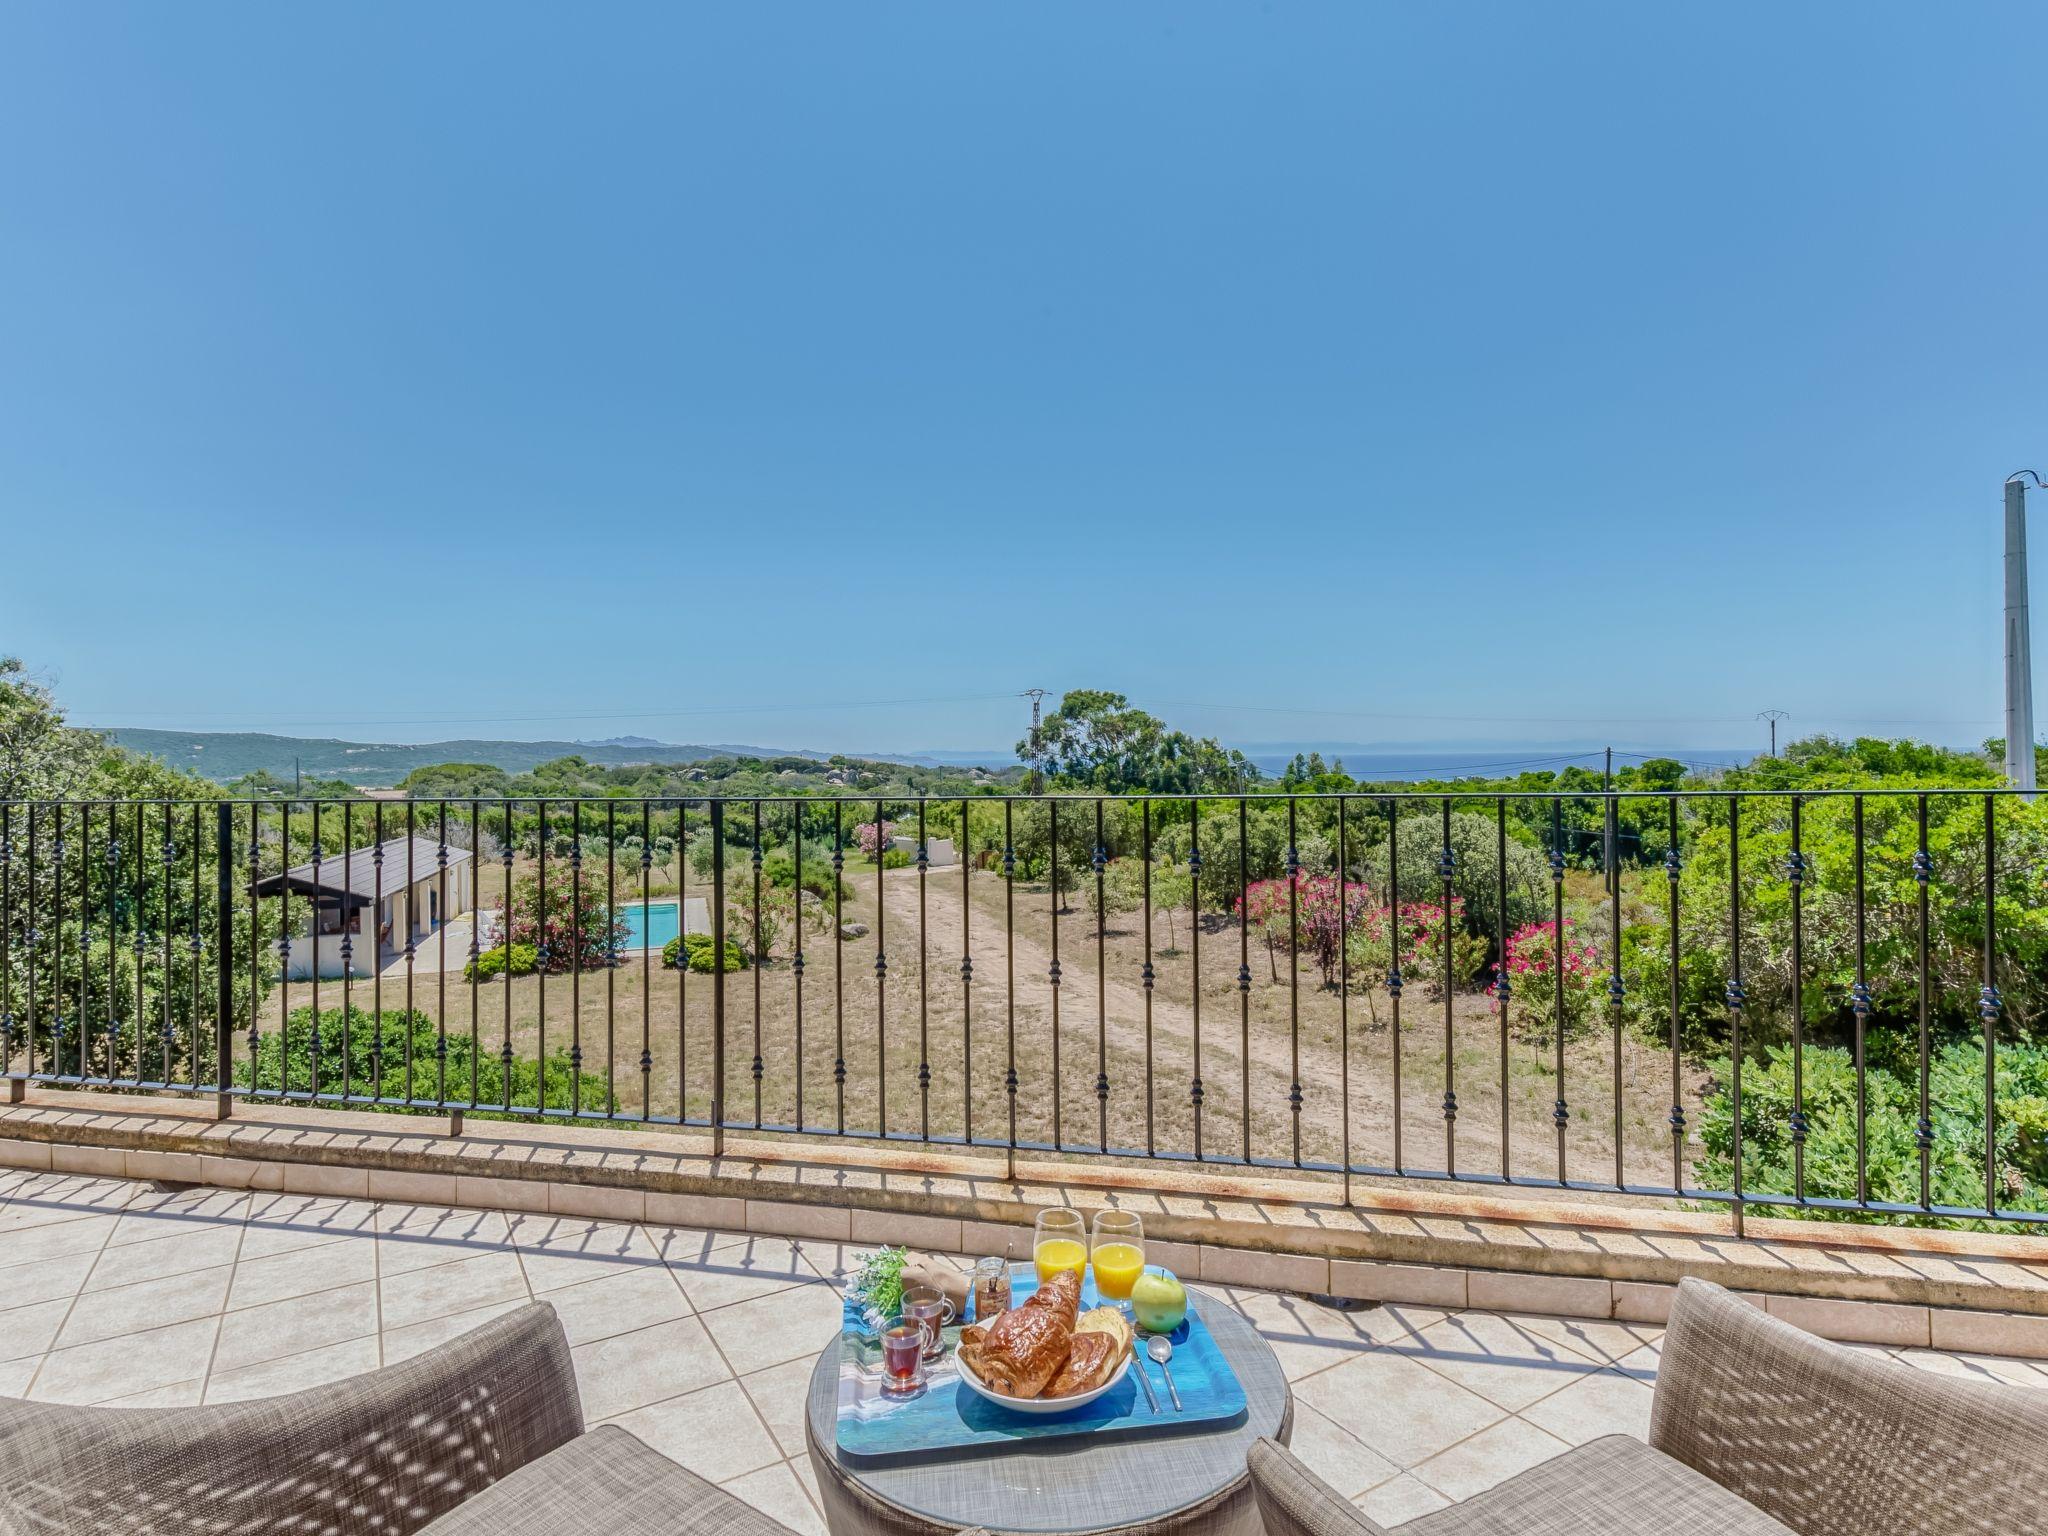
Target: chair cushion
point(610, 1484)
point(1616, 1486)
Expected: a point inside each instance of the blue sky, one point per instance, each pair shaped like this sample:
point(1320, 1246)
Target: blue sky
point(825, 374)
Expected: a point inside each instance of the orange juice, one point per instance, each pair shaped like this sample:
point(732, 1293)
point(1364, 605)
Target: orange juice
point(1055, 1254)
point(1117, 1267)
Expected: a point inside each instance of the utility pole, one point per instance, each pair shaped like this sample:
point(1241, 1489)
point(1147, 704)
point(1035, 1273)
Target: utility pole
point(1035, 781)
point(2019, 649)
point(1773, 716)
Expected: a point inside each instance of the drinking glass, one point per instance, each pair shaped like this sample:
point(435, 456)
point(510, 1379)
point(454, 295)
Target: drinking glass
point(933, 1311)
point(1059, 1244)
point(1118, 1255)
point(903, 1340)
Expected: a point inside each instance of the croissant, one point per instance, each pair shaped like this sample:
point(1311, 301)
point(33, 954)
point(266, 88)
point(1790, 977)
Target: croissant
point(1027, 1346)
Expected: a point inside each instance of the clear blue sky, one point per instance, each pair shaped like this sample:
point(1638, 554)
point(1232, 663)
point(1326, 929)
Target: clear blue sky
point(1384, 373)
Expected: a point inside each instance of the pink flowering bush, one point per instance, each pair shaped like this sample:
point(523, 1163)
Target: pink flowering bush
point(1323, 913)
point(1532, 964)
point(871, 837)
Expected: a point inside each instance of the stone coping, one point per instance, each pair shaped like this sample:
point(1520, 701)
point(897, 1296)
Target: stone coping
point(1436, 1245)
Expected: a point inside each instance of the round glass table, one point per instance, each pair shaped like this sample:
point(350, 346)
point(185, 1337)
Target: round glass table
point(1157, 1482)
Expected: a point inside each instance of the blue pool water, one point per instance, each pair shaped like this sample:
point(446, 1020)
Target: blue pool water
point(653, 924)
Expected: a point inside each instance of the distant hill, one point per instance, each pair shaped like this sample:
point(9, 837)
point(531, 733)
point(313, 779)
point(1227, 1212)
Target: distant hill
point(226, 755)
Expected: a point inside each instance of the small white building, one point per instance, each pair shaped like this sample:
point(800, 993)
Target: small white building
point(401, 882)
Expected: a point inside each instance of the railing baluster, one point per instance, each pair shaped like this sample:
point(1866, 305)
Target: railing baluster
point(1560, 1113)
point(505, 856)
point(1859, 1005)
point(1059, 1140)
point(1447, 868)
point(1344, 990)
point(881, 984)
point(924, 996)
point(347, 948)
point(1294, 974)
point(411, 924)
point(17, 1087)
point(1674, 866)
point(1502, 991)
point(1736, 999)
point(796, 956)
point(1010, 972)
point(476, 891)
point(441, 930)
point(1394, 965)
point(717, 834)
point(1617, 990)
point(575, 960)
point(254, 858)
point(1101, 863)
point(760, 960)
point(647, 960)
point(1244, 975)
point(1989, 1006)
point(965, 853)
point(1923, 1130)
point(377, 959)
point(1195, 949)
point(839, 963)
point(1147, 975)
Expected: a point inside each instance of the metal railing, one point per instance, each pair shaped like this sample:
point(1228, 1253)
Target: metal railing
point(1081, 976)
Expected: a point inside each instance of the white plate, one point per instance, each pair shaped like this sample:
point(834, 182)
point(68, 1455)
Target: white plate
point(1040, 1404)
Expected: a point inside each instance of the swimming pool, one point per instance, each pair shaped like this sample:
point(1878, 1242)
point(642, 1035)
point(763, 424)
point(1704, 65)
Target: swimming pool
point(651, 924)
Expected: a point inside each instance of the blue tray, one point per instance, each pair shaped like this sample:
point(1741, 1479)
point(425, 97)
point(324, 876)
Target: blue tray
point(947, 1416)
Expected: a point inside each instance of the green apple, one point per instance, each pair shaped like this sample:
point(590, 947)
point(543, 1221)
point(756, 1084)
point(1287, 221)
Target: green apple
point(1158, 1301)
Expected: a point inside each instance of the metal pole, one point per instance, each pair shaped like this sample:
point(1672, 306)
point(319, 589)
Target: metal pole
point(2019, 654)
point(224, 962)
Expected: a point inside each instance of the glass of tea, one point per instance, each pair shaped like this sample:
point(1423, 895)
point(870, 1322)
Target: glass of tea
point(929, 1307)
point(1118, 1255)
point(903, 1341)
point(1059, 1244)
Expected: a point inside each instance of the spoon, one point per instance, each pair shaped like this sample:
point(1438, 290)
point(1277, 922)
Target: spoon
point(1162, 1351)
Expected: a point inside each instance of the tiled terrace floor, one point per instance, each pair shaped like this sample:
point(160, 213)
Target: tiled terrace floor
point(701, 1342)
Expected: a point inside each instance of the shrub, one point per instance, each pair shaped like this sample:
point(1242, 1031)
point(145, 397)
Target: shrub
point(515, 960)
point(697, 947)
point(551, 926)
point(870, 836)
point(1321, 916)
point(1532, 973)
point(378, 1055)
point(1892, 1113)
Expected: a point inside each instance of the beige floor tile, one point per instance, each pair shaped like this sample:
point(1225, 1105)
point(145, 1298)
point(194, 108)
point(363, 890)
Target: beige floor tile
point(418, 1237)
point(303, 1272)
point(713, 1431)
point(776, 1492)
point(121, 1367)
point(23, 1285)
point(1498, 1358)
point(156, 1214)
point(1605, 1403)
point(569, 1250)
point(1397, 1406)
point(808, 1476)
point(178, 1253)
point(1489, 1458)
point(778, 1395)
point(255, 1334)
point(1399, 1500)
point(1336, 1455)
point(34, 1244)
point(721, 1274)
point(15, 1375)
point(1600, 1342)
point(179, 1394)
point(128, 1309)
point(617, 1303)
point(1308, 1337)
point(281, 1223)
point(422, 1294)
point(769, 1330)
point(2019, 1373)
point(415, 1338)
point(631, 1370)
point(293, 1373)
point(33, 1329)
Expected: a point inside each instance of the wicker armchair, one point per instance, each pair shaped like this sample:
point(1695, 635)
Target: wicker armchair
point(481, 1437)
point(1757, 1429)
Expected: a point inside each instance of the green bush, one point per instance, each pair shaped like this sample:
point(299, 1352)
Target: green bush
point(698, 948)
point(1892, 1112)
point(778, 869)
point(515, 960)
point(402, 1059)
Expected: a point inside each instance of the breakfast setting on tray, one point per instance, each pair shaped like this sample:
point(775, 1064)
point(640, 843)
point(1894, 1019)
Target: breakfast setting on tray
point(1086, 1339)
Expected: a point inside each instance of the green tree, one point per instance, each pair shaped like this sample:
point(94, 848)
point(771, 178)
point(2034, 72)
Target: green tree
point(1098, 740)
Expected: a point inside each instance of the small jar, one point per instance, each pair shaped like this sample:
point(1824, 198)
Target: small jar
point(991, 1288)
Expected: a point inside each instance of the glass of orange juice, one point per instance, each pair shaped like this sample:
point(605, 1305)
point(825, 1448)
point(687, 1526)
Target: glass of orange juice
point(1058, 1244)
point(1119, 1255)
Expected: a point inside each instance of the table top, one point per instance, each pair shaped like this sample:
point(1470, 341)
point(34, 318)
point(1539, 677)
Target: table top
point(1074, 1484)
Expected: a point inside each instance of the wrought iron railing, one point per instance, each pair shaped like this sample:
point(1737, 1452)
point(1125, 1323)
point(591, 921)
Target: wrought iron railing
point(1767, 1000)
